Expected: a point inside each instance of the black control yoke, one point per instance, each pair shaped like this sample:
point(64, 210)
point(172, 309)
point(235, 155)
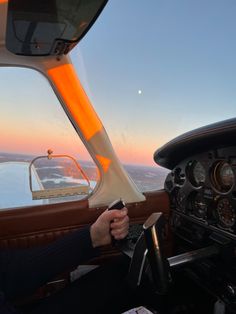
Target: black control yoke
point(149, 251)
point(154, 228)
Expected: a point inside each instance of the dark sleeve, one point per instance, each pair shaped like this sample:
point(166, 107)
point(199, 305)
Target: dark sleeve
point(23, 271)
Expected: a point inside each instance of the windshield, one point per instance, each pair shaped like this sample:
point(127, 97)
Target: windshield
point(152, 70)
point(156, 69)
point(39, 149)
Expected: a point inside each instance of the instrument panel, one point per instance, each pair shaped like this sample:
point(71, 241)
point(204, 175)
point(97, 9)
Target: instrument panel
point(202, 188)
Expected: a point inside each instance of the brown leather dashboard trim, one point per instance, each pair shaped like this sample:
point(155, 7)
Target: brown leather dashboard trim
point(30, 226)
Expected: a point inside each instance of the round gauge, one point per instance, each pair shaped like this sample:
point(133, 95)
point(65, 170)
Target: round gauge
point(222, 176)
point(226, 213)
point(179, 176)
point(199, 206)
point(180, 201)
point(196, 173)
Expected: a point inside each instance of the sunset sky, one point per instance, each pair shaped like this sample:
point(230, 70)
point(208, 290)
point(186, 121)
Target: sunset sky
point(152, 69)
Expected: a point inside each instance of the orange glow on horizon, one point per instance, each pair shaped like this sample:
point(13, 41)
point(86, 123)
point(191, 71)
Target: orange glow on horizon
point(76, 100)
point(104, 162)
point(39, 144)
point(139, 155)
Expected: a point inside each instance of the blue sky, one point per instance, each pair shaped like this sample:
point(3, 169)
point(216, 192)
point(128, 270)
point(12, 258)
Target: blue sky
point(180, 54)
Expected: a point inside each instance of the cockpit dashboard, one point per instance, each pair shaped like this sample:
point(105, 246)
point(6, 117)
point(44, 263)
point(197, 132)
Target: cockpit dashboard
point(202, 192)
point(202, 189)
point(202, 181)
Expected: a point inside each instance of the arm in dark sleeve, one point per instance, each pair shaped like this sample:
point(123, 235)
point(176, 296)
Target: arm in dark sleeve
point(23, 271)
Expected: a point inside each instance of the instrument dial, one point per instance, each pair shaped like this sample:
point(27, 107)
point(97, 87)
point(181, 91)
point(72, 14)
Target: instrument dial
point(226, 213)
point(222, 177)
point(199, 206)
point(181, 201)
point(179, 176)
point(196, 173)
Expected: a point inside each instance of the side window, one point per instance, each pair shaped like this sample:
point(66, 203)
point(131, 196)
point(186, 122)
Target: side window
point(42, 159)
point(147, 178)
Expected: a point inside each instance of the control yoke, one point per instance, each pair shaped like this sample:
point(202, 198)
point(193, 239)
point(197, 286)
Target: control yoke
point(154, 228)
point(148, 253)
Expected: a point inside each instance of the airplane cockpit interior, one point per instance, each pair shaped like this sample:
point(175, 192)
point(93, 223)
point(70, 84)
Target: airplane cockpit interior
point(201, 189)
point(128, 101)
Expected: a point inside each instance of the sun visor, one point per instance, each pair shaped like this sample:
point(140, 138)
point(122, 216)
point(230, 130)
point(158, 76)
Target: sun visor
point(49, 27)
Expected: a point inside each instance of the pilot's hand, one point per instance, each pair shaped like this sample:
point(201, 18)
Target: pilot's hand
point(113, 222)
